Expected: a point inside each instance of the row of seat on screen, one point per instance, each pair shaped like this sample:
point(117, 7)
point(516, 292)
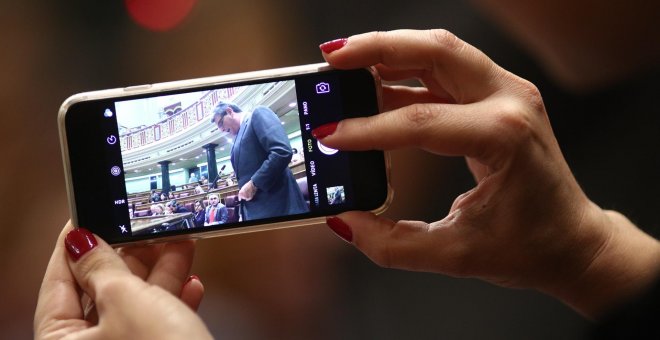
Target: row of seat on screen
point(230, 201)
point(178, 191)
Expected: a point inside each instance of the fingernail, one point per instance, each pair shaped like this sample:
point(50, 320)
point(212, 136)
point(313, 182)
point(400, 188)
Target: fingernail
point(78, 242)
point(324, 130)
point(340, 228)
point(190, 278)
point(331, 46)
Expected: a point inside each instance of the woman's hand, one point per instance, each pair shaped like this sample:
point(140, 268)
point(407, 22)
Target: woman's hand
point(527, 223)
point(145, 296)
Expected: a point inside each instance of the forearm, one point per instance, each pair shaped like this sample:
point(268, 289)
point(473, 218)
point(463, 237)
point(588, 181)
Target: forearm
point(625, 264)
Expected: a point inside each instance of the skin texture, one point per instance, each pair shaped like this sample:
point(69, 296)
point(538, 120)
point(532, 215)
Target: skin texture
point(526, 223)
point(125, 287)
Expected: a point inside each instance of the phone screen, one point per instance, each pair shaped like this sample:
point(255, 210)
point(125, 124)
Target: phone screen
point(220, 157)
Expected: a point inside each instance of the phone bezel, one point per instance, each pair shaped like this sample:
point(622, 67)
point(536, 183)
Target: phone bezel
point(151, 89)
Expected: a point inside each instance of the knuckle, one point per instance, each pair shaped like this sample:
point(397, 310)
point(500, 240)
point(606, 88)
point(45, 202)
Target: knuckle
point(524, 91)
point(512, 116)
point(513, 122)
point(92, 269)
point(520, 118)
point(519, 115)
point(531, 95)
point(445, 39)
point(419, 114)
point(394, 251)
point(387, 50)
point(378, 36)
point(419, 118)
point(109, 287)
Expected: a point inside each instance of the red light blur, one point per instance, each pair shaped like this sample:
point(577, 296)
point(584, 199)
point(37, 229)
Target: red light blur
point(159, 15)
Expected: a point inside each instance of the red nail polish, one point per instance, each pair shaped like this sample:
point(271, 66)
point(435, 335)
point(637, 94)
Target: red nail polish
point(324, 130)
point(340, 228)
point(78, 242)
point(331, 46)
point(190, 278)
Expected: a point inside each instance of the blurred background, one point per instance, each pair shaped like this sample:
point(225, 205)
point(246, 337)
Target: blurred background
point(301, 283)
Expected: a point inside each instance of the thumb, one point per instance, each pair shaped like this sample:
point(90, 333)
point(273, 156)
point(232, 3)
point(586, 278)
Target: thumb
point(93, 262)
point(409, 245)
point(192, 292)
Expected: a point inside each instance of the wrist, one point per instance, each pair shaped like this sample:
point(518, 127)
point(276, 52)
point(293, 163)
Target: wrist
point(615, 262)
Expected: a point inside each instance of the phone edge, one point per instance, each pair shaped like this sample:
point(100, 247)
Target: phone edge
point(206, 81)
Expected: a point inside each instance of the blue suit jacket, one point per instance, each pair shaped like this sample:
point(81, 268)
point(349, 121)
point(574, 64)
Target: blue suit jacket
point(261, 153)
point(221, 214)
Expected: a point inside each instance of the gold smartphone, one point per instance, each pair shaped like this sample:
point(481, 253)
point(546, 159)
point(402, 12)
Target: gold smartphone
point(219, 155)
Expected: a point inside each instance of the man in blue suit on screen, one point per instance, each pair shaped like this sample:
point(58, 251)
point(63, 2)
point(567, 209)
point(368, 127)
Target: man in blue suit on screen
point(260, 156)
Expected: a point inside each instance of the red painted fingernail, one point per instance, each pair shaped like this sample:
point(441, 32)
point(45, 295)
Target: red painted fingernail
point(324, 130)
point(192, 277)
point(331, 46)
point(340, 228)
point(78, 242)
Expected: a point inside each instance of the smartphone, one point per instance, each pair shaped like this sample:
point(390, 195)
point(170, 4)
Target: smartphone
point(168, 161)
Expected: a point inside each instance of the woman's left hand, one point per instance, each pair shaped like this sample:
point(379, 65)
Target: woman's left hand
point(142, 292)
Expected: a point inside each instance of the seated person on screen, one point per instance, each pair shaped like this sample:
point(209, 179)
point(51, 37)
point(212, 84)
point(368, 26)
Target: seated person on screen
point(200, 214)
point(154, 196)
point(177, 208)
point(216, 212)
point(157, 209)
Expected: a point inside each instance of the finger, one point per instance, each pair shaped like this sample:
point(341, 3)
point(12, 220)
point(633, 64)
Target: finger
point(58, 297)
point(395, 97)
point(90, 311)
point(172, 268)
point(439, 128)
point(192, 292)
point(94, 264)
point(140, 259)
point(410, 245)
point(463, 71)
point(392, 74)
point(425, 77)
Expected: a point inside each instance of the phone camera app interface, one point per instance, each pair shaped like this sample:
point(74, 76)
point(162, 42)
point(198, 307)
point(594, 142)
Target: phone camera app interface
point(213, 158)
point(336, 195)
point(322, 88)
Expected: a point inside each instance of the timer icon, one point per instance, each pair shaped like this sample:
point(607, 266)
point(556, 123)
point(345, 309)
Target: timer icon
point(111, 140)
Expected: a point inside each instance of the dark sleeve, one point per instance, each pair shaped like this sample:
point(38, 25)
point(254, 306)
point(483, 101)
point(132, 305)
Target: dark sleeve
point(273, 139)
point(640, 319)
point(224, 216)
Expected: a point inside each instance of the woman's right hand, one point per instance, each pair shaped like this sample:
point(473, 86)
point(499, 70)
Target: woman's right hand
point(526, 223)
point(142, 294)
